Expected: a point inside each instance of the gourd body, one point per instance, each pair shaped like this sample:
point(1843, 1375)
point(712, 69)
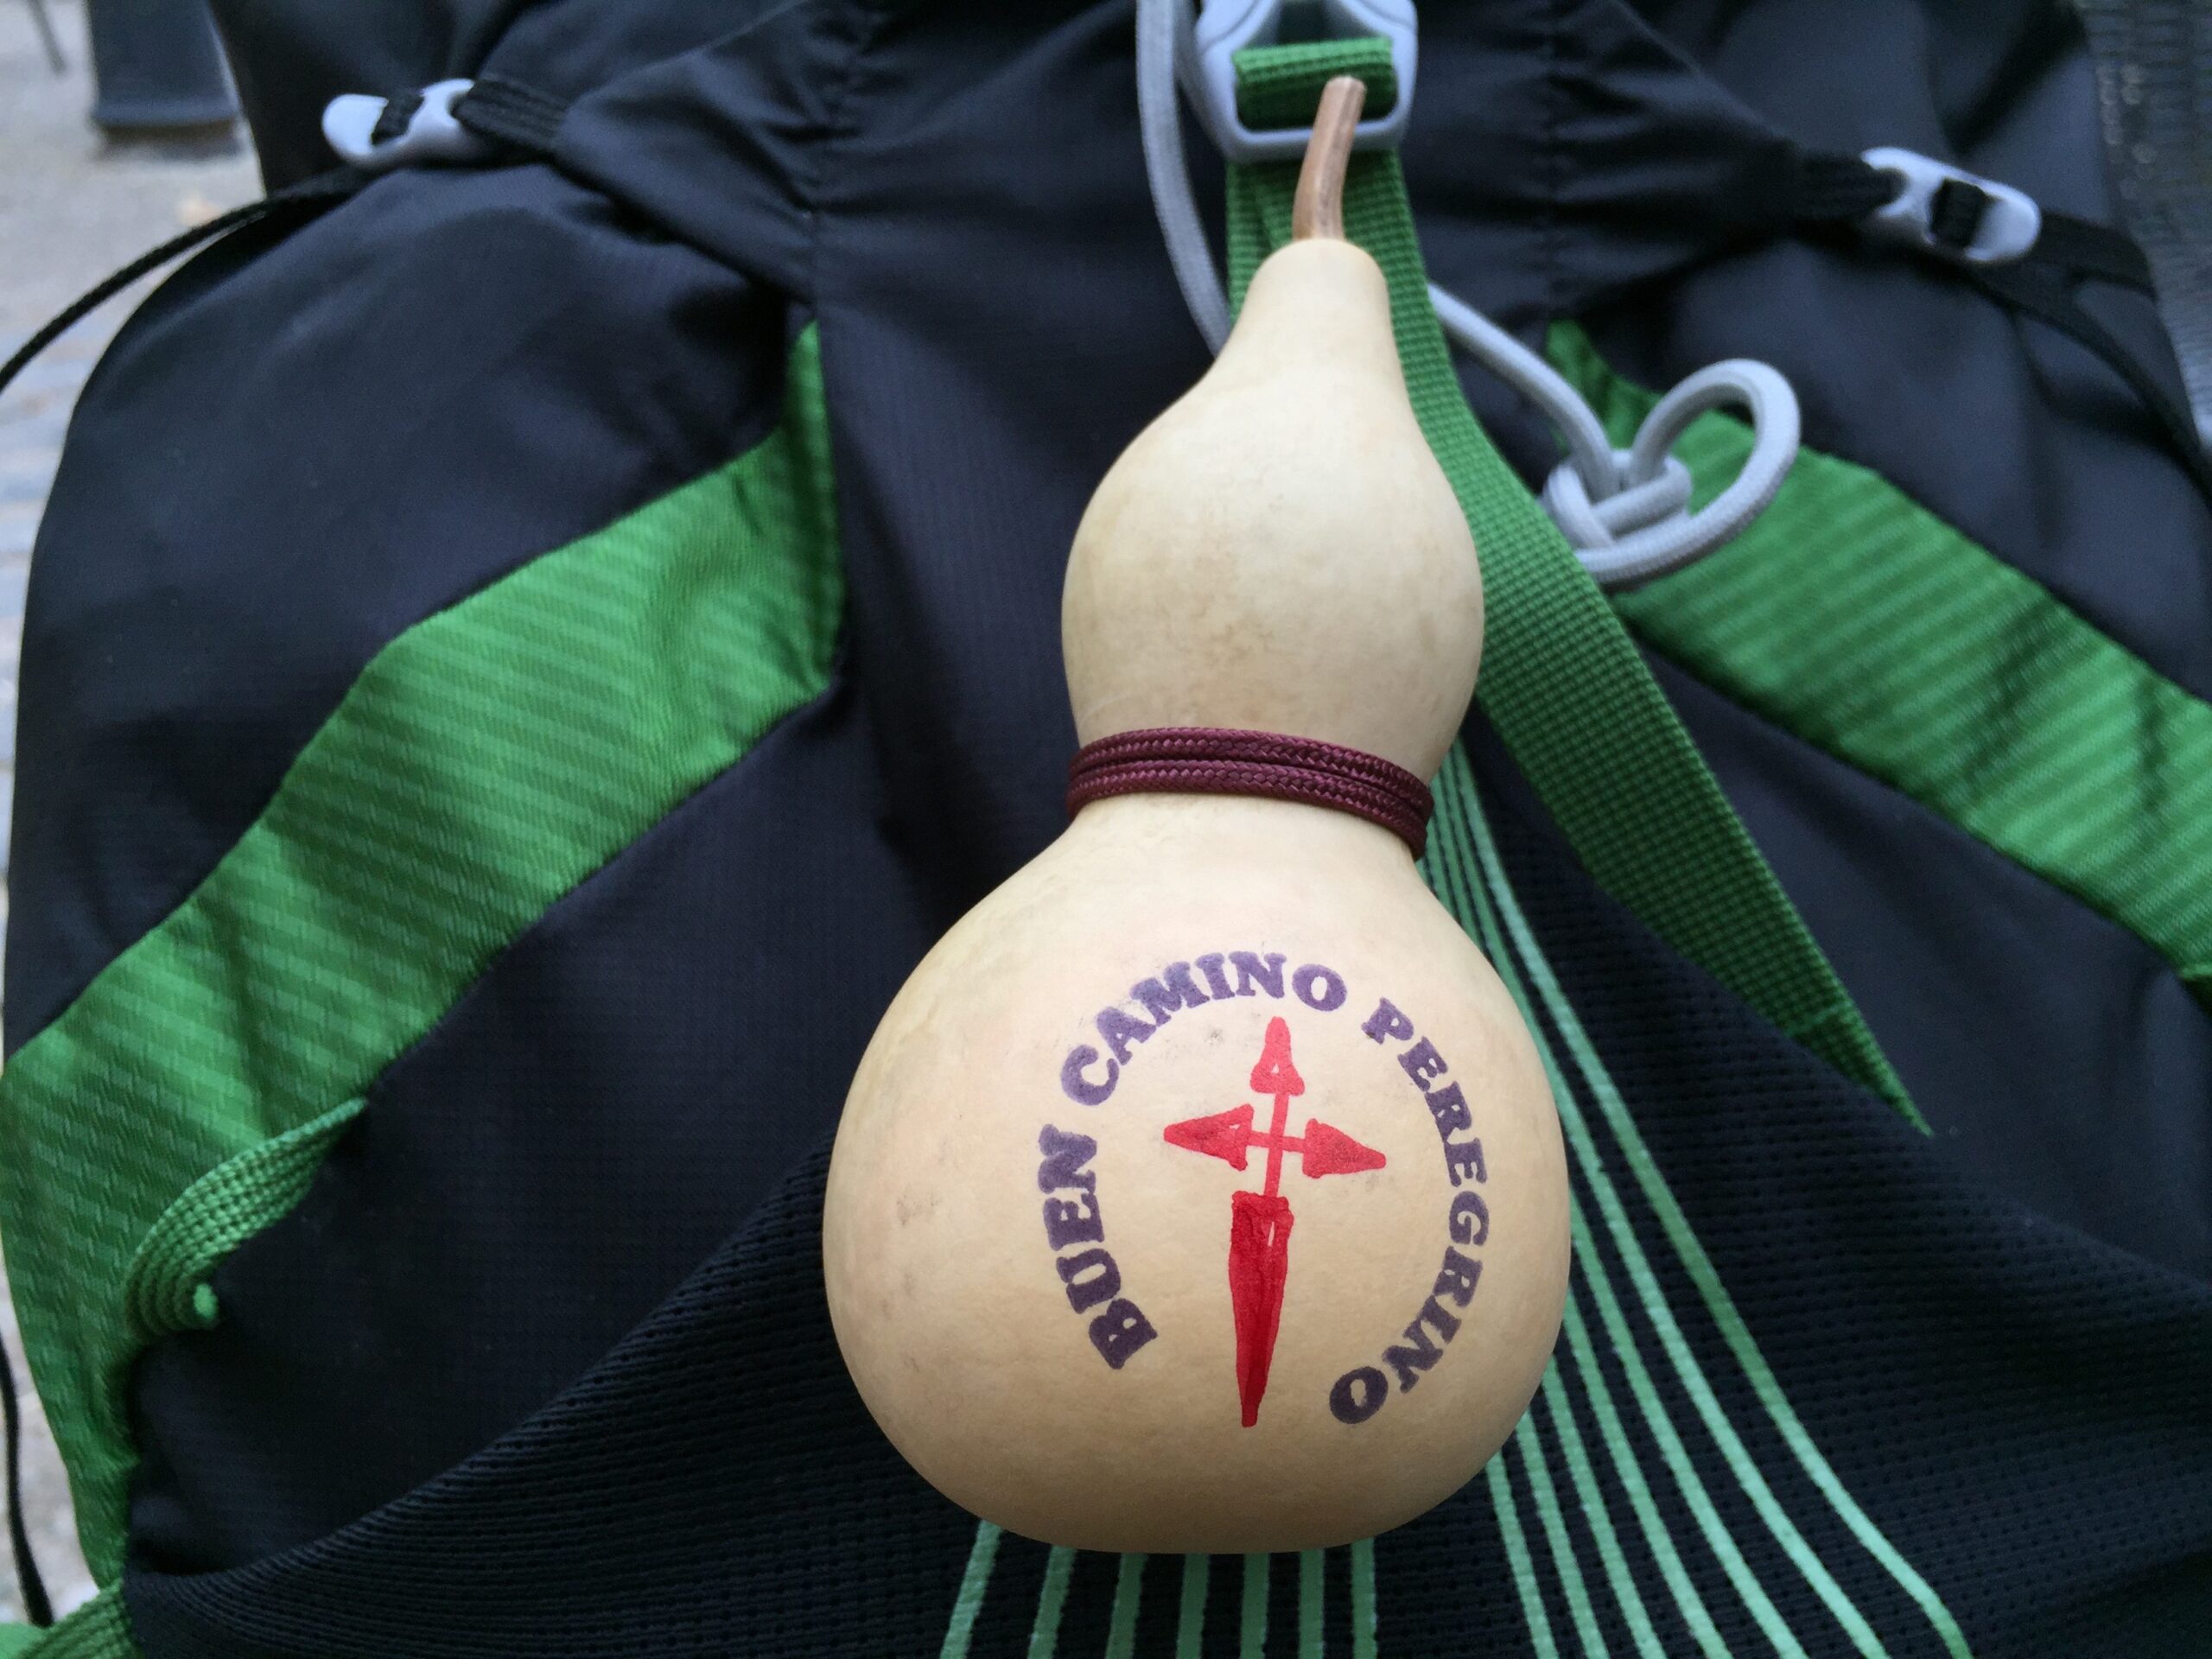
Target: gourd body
point(972, 1233)
point(1210, 1064)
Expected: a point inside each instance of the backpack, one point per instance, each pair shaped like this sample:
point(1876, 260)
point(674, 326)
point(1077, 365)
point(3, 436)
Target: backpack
point(526, 651)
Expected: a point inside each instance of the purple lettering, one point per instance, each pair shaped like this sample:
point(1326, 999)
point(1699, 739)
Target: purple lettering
point(1408, 1362)
point(1173, 990)
point(1457, 1278)
point(1359, 1394)
point(1120, 1332)
point(1251, 971)
point(1387, 1022)
point(1422, 1063)
point(1065, 1155)
point(1469, 1219)
point(1119, 1029)
point(1101, 1286)
point(1217, 981)
point(1079, 1087)
point(1464, 1157)
point(1073, 1221)
point(1318, 988)
point(1449, 1108)
point(1432, 1313)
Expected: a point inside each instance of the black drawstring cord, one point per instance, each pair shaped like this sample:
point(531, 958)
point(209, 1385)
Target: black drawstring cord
point(322, 189)
point(521, 122)
point(36, 1606)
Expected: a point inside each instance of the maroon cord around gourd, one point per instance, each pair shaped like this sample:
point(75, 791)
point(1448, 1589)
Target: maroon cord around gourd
point(1204, 761)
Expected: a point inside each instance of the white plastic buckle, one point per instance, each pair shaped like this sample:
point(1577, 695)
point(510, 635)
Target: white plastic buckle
point(2010, 222)
point(349, 121)
point(1206, 59)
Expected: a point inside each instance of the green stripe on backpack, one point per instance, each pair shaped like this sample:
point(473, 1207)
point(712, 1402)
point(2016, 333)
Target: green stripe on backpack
point(486, 761)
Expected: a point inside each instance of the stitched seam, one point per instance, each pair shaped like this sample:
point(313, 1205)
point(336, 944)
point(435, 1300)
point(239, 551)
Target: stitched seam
point(866, 32)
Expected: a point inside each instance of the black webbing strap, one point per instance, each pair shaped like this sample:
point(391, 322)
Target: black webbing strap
point(2092, 250)
point(398, 109)
point(1842, 189)
point(2043, 283)
point(2046, 292)
point(1832, 189)
point(520, 116)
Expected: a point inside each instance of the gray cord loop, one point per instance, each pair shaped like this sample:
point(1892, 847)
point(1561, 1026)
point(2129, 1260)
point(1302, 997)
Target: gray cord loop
point(1629, 510)
point(1163, 39)
point(1625, 512)
point(1639, 526)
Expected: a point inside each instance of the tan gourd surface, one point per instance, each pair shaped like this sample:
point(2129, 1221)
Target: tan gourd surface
point(1278, 552)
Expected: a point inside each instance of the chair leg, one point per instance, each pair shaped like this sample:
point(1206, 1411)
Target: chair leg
point(52, 42)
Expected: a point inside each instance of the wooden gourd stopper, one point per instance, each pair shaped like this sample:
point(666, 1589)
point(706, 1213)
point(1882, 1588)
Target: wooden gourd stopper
point(1201, 1190)
point(1318, 207)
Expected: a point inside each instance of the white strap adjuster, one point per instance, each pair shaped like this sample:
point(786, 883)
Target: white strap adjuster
point(434, 133)
point(2005, 229)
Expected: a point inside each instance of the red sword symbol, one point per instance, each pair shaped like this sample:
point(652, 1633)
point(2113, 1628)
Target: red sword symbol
point(1259, 1223)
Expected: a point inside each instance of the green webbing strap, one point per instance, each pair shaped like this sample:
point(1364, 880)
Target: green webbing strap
point(1850, 615)
point(1561, 681)
point(98, 1630)
point(167, 1286)
point(485, 762)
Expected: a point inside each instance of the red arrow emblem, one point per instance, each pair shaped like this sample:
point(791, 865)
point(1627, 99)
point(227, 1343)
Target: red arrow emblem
point(1259, 1222)
point(1226, 1135)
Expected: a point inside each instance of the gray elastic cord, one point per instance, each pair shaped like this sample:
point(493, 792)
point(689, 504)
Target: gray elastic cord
point(1588, 450)
point(1164, 37)
point(1625, 512)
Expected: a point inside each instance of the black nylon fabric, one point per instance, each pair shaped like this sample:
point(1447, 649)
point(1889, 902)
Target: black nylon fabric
point(955, 192)
point(728, 1494)
point(1897, 897)
point(606, 1105)
point(293, 452)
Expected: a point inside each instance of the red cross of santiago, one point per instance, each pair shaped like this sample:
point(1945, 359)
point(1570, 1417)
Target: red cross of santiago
point(1259, 1223)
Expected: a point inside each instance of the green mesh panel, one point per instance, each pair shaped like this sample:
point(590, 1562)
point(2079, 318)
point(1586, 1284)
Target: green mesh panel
point(1850, 615)
point(1561, 681)
point(486, 762)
